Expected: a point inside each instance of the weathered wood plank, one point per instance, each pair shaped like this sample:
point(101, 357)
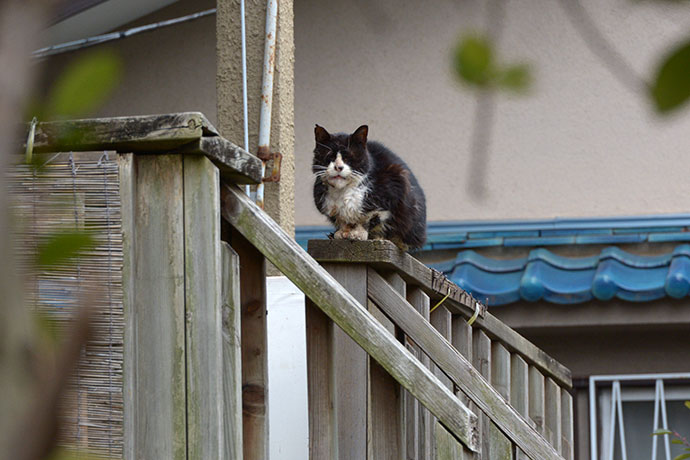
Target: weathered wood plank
point(154, 302)
point(481, 360)
point(254, 348)
point(567, 435)
point(426, 422)
point(350, 366)
point(440, 319)
point(501, 447)
point(322, 436)
point(385, 255)
point(552, 409)
point(235, 164)
point(385, 394)
point(145, 133)
point(460, 370)
point(536, 398)
point(447, 448)
point(519, 391)
point(204, 342)
point(345, 311)
point(232, 353)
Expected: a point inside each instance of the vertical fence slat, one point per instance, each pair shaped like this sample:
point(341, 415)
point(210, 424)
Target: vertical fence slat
point(349, 364)
point(153, 282)
point(254, 348)
point(420, 301)
point(232, 353)
point(442, 320)
point(536, 398)
point(321, 418)
point(204, 344)
point(567, 444)
point(481, 360)
point(552, 423)
point(519, 392)
point(501, 447)
point(386, 402)
point(412, 412)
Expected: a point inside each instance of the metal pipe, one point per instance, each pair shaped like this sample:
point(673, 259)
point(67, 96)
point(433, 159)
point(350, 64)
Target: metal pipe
point(247, 188)
point(98, 39)
point(267, 93)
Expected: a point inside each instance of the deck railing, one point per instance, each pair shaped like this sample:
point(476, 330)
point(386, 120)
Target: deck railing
point(392, 380)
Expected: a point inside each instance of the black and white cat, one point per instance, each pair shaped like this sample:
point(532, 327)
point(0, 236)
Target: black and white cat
point(366, 190)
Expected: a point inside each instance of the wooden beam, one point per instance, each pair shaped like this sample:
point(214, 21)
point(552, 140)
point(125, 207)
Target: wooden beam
point(204, 345)
point(232, 353)
point(385, 255)
point(254, 348)
point(347, 313)
point(145, 133)
point(459, 369)
point(186, 132)
point(154, 304)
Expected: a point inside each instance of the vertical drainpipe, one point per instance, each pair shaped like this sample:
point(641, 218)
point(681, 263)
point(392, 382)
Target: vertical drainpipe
point(247, 188)
point(263, 151)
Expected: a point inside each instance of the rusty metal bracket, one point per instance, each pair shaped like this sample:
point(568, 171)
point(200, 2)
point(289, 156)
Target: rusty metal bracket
point(265, 155)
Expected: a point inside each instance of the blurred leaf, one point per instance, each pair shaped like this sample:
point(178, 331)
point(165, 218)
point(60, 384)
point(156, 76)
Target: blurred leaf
point(84, 85)
point(474, 60)
point(687, 404)
point(516, 77)
point(676, 441)
point(61, 247)
point(682, 457)
point(661, 432)
point(671, 89)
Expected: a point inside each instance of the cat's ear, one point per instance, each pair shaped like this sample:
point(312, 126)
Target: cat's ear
point(359, 137)
point(321, 135)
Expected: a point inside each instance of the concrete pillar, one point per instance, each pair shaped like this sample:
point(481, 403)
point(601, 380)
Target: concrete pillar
point(279, 197)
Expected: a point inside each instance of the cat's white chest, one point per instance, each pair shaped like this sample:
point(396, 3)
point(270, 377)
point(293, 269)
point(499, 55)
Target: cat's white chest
point(346, 204)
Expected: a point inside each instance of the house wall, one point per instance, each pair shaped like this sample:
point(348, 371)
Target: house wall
point(580, 144)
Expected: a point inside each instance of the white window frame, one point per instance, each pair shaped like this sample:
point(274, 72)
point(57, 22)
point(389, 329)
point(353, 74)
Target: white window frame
point(613, 397)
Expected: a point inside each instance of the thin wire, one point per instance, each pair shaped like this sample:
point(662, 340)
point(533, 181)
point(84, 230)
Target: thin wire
point(75, 168)
point(98, 39)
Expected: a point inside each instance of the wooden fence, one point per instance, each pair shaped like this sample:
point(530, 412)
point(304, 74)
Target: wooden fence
point(393, 380)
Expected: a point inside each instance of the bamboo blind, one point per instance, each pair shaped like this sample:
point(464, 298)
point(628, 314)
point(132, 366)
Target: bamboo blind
point(69, 191)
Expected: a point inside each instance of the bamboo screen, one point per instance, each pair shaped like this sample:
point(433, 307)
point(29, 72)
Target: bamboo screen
point(79, 190)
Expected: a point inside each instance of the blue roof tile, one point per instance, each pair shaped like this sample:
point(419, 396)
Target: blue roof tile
point(543, 275)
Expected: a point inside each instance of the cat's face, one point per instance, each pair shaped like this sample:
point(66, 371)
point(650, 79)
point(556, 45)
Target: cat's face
point(341, 160)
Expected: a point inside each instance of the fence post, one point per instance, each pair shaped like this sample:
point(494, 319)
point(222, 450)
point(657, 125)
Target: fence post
point(155, 394)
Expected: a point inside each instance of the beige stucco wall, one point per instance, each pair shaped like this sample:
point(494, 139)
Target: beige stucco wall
point(580, 144)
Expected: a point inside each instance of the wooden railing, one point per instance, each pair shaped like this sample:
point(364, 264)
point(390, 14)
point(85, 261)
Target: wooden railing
point(392, 380)
point(516, 388)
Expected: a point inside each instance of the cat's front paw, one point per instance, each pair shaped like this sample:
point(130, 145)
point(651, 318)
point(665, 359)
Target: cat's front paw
point(359, 233)
point(342, 234)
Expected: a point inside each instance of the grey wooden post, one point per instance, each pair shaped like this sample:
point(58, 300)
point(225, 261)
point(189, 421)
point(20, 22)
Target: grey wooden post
point(172, 298)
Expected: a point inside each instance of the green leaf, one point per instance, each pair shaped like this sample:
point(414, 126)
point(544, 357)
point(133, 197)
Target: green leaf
point(516, 77)
point(661, 432)
point(474, 60)
point(84, 85)
point(61, 247)
point(687, 404)
point(671, 88)
point(682, 457)
point(676, 441)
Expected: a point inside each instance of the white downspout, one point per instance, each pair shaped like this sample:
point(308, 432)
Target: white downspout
point(267, 93)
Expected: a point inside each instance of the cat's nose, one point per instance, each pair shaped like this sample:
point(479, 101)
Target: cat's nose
point(338, 168)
